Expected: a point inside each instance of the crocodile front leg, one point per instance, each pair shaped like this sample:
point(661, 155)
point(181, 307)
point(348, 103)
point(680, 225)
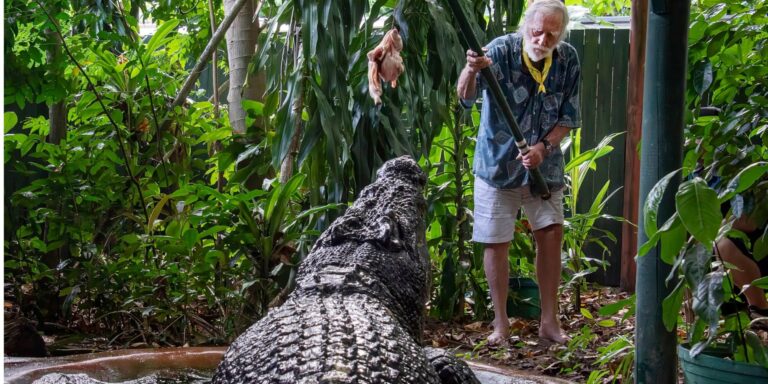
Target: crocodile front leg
point(450, 369)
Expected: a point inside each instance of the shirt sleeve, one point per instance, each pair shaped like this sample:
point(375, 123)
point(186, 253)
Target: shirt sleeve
point(569, 112)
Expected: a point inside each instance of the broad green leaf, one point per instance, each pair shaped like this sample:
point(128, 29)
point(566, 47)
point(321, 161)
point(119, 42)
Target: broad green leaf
point(672, 241)
point(313, 210)
point(585, 312)
point(253, 107)
point(652, 202)
point(252, 151)
point(611, 309)
point(159, 38)
point(18, 138)
point(212, 231)
point(156, 212)
point(9, 121)
point(758, 349)
point(707, 298)
point(606, 323)
point(447, 292)
point(190, 238)
point(648, 245)
point(696, 264)
point(130, 238)
point(696, 31)
point(213, 256)
point(744, 180)
point(216, 135)
point(761, 283)
point(671, 307)
point(760, 248)
point(247, 216)
point(702, 76)
point(699, 210)
point(580, 159)
point(172, 229)
point(276, 219)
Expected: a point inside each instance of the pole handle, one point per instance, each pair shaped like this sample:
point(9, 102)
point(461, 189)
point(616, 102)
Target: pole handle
point(539, 184)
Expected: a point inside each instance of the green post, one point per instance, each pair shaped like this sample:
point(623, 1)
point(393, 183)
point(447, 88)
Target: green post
point(661, 153)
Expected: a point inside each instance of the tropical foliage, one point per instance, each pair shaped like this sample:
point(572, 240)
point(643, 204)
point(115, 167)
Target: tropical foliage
point(604, 8)
point(725, 162)
point(159, 223)
point(156, 224)
point(579, 228)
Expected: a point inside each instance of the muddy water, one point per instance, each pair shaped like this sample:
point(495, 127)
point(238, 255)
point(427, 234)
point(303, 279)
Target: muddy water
point(184, 365)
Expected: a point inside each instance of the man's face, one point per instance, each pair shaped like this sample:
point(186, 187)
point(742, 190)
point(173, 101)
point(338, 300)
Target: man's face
point(542, 35)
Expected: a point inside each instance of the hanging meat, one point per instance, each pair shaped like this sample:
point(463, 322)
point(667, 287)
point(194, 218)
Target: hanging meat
point(385, 64)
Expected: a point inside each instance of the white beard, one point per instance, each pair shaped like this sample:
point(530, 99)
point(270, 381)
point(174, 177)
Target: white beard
point(539, 53)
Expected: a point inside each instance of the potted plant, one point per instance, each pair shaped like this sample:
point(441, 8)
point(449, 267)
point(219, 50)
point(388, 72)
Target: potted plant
point(523, 297)
point(725, 177)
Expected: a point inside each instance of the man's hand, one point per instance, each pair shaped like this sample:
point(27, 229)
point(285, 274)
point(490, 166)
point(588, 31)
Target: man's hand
point(534, 157)
point(466, 85)
point(475, 62)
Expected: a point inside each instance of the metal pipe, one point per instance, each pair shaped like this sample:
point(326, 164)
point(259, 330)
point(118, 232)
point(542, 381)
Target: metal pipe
point(662, 152)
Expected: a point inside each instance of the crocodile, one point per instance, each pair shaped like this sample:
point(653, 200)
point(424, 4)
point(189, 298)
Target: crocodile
point(358, 309)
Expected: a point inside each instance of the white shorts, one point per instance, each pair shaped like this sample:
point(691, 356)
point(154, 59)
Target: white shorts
point(496, 209)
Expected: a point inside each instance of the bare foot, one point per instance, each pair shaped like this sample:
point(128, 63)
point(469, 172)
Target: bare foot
point(500, 332)
point(553, 333)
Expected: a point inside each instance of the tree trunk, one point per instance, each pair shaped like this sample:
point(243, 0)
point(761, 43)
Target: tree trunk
point(57, 117)
point(242, 37)
point(57, 110)
point(637, 33)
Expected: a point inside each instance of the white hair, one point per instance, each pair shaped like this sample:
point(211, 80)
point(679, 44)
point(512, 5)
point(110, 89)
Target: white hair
point(547, 7)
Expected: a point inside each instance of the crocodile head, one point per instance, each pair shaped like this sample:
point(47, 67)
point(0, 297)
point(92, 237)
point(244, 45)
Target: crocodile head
point(378, 247)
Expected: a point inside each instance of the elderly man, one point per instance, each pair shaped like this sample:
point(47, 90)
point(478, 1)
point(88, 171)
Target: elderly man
point(539, 75)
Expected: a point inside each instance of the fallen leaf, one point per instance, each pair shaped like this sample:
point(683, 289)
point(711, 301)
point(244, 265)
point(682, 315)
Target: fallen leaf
point(476, 326)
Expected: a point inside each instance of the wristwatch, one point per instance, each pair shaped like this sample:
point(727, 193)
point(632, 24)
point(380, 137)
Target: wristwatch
point(547, 146)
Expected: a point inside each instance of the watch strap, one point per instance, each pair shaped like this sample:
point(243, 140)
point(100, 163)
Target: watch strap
point(547, 146)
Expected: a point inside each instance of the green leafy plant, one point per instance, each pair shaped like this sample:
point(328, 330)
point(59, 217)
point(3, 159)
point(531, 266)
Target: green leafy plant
point(569, 357)
point(616, 359)
point(725, 162)
point(580, 229)
point(122, 228)
point(449, 233)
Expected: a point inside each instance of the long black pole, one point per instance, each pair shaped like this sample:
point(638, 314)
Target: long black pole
point(538, 180)
point(661, 153)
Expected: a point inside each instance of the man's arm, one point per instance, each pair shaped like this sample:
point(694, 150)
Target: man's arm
point(467, 85)
point(555, 136)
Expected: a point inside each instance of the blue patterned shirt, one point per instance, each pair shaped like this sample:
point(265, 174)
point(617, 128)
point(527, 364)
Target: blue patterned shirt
point(536, 113)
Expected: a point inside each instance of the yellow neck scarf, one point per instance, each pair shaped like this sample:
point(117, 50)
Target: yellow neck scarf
point(537, 75)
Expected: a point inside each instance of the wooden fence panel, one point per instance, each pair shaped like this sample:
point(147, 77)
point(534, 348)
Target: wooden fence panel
point(604, 52)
